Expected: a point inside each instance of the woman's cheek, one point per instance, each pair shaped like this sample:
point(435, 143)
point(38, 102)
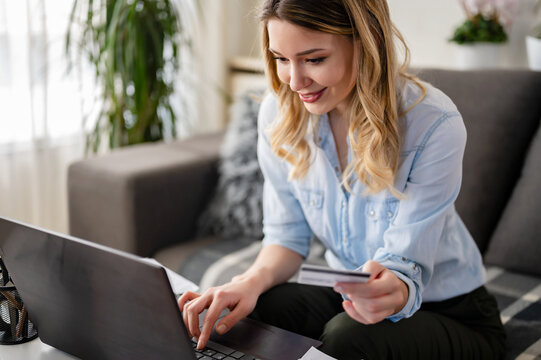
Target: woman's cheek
point(283, 74)
point(329, 76)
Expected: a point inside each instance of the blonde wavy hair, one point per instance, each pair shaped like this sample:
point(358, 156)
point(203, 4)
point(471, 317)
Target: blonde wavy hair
point(373, 125)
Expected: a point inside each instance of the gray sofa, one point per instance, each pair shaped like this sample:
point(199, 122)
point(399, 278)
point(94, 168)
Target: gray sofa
point(148, 199)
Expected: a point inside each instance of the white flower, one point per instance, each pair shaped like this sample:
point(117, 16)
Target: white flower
point(505, 10)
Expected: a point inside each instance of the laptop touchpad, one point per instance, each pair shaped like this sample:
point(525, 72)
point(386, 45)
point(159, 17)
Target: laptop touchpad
point(265, 341)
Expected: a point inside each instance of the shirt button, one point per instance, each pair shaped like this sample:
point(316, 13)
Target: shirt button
point(312, 203)
point(389, 214)
point(372, 213)
point(343, 204)
point(404, 259)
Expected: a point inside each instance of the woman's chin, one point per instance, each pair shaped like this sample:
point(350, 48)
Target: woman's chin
point(315, 109)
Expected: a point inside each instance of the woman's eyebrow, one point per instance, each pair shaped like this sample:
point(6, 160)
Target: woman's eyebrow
point(305, 52)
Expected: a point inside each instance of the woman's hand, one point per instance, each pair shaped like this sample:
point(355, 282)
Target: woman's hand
point(382, 296)
point(274, 265)
point(239, 297)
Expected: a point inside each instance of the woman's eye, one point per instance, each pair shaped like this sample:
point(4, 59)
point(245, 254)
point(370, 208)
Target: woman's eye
point(281, 59)
point(315, 60)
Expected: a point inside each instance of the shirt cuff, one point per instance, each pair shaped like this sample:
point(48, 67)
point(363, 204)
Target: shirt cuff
point(410, 273)
point(409, 308)
point(301, 248)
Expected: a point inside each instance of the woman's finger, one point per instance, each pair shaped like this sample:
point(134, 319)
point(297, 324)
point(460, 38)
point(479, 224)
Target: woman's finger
point(380, 284)
point(374, 268)
point(193, 309)
point(352, 312)
point(216, 307)
point(372, 288)
point(183, 301)
point(386, 303)
point(363, 317)
point(187, 296)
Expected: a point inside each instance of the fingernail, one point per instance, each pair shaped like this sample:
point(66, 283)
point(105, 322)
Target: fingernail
point(221, 328)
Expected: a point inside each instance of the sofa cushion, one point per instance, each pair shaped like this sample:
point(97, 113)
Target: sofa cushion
point(218, 263)
point(236, 207)
point(516, 244)
point(501, 111)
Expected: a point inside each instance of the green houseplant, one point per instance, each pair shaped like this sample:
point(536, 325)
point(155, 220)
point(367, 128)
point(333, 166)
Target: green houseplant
point(479, 28)
point(483, 32)
point(485, 22)
point(133, 47)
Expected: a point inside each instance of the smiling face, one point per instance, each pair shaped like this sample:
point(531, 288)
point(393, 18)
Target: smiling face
point(319, 66)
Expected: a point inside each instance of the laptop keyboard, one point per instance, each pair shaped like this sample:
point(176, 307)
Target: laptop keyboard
point(217, 351)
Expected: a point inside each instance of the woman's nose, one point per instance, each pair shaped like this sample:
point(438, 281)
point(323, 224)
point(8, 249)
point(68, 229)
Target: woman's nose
point(297, 78)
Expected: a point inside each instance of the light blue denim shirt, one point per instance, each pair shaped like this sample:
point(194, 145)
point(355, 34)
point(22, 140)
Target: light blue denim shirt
point(420, 238)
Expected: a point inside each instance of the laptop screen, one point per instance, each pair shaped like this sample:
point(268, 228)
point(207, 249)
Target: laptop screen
point(92, 301)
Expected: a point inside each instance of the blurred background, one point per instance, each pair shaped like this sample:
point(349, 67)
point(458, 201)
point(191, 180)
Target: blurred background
point(47, 111)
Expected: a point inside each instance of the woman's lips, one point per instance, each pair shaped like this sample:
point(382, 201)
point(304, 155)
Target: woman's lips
point(312, 97)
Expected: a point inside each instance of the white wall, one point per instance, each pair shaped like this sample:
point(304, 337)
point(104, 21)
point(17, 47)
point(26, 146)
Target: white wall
point(243, 29)
point(426, 25)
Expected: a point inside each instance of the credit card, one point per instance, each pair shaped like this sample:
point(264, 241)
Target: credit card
point(325, 276)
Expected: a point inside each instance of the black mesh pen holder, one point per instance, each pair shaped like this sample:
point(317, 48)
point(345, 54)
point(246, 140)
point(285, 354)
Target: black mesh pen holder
point(15, 327)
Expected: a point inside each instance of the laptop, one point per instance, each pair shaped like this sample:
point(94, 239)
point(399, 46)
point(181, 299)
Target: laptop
point(95, 302)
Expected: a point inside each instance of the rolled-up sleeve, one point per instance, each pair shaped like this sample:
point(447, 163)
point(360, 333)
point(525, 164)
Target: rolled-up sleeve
point(412, 239)
point(284, 222)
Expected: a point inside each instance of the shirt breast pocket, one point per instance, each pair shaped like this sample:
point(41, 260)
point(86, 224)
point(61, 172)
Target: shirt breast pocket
point(380, 213)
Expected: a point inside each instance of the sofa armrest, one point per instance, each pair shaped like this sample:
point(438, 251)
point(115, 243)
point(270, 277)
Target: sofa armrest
point(145, 197)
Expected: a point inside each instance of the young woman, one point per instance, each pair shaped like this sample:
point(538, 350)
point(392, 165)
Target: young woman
point(369, 160)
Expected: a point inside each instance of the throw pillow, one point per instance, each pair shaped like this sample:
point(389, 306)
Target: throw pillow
point(516, 243)
point(236, 207)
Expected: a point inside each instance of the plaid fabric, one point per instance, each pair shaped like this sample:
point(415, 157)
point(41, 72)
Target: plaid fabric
point(518, 295)
point(519, 300)
point(228, 258)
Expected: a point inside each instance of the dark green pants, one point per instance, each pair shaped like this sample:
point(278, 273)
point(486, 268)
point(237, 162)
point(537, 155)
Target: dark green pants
point(464, 327)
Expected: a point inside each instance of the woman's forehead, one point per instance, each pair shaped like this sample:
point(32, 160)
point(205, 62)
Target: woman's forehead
point(285, 36)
